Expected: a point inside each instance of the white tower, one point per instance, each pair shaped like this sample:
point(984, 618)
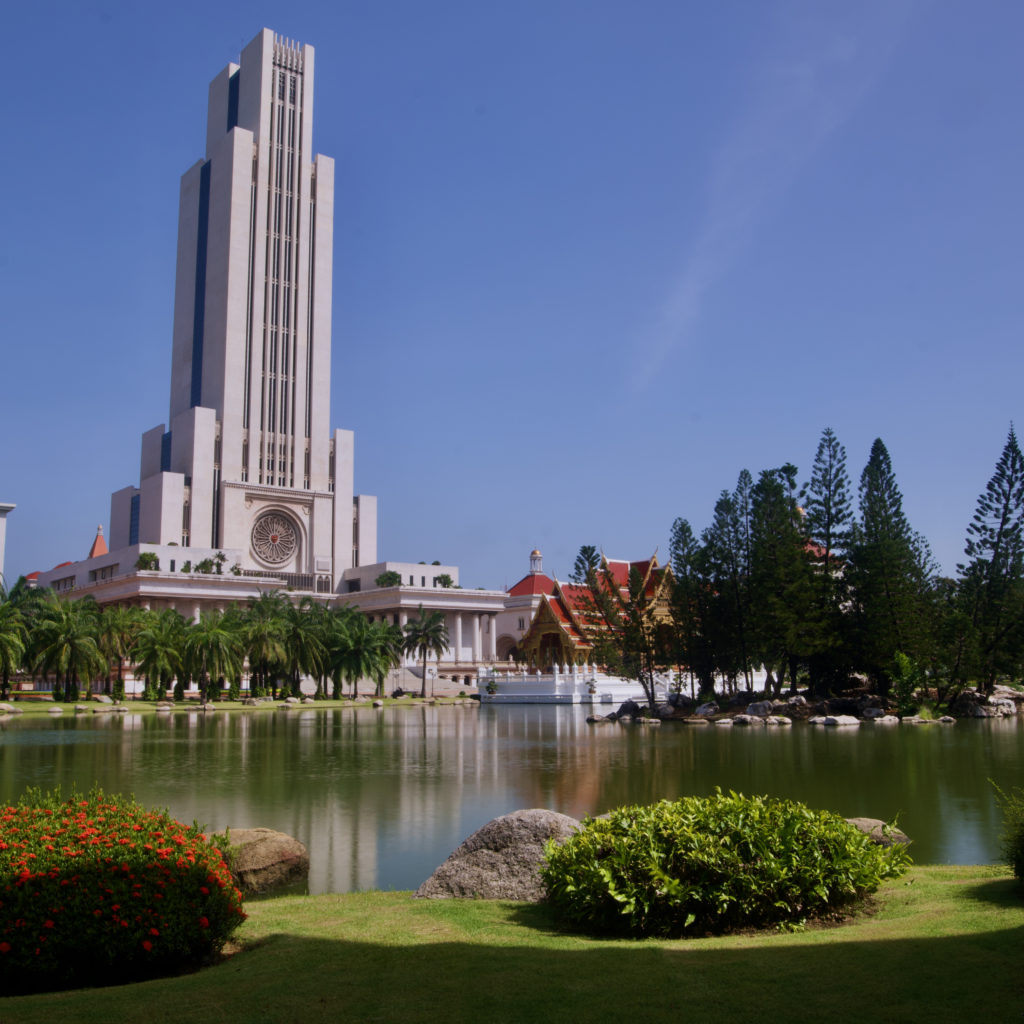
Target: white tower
point(5, 507)
point(248, 462)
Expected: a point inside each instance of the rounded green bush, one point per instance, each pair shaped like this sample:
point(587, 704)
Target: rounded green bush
point(1012, 837)
point(99, 890)
point(709, 865)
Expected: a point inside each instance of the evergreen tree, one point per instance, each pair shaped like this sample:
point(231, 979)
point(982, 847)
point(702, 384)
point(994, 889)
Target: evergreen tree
point(728, 578)
point(891, 570)
point(992, 580)
point(828, 516)
point(780, 574)
point(690, 601)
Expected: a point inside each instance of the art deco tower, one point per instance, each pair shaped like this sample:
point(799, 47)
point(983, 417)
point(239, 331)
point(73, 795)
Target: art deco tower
point(247, 462)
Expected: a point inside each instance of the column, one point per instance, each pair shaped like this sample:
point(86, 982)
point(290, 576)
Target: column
point(492, 643)
point(476, 638)
point(458, 636)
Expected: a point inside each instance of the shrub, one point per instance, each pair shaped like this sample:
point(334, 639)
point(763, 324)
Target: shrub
point(1012, 838)
point(696, 866)
point(98, 890)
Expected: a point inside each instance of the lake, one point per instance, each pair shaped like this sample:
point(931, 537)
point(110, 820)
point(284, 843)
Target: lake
point(382, 797)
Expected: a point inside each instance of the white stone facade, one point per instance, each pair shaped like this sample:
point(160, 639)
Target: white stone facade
point(5, 507)
point(246, 461)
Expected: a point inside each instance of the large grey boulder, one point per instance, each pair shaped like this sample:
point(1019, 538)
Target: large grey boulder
point(834, 720)
point(262, 859)
point(706, 710)
point(10, 709)
point(880, 832)
point(760, 708)
point(501, 861)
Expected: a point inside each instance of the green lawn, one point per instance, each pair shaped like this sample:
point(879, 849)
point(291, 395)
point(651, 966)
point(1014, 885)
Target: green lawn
point(946, 944)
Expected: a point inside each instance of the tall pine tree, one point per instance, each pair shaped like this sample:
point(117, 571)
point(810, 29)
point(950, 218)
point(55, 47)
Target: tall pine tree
point(992, 580)
point(828, 515)
point(890, 569)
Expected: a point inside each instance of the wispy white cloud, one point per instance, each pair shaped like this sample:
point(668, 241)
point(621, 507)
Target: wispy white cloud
point(824, 58)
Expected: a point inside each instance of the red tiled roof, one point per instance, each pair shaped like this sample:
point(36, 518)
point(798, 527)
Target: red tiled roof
point(533, 583)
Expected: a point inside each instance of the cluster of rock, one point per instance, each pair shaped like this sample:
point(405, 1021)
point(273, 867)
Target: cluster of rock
point(744, 709)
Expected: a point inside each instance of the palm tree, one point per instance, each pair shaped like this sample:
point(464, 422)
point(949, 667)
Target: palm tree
point(351, 651)
point(265, 633)
point(158, 651)
point(304, 649)
point(214, 650)
point(425, 635)
point(65, 642)
point(13, 641)
point(387, 643)
point(119, 626)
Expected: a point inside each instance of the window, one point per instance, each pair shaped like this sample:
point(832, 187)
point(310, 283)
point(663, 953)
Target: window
point(522, 622)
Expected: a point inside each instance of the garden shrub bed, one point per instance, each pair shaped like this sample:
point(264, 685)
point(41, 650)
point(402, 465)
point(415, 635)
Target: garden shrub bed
point(699, 866)
point(98, 890)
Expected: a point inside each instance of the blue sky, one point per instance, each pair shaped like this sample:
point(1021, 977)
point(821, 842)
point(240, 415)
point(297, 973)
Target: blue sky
point(591, 258)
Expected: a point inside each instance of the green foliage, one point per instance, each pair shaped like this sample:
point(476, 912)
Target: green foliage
point(98, 890)
point(906, 679)
point(1012, 838)
point(445, 581)
point(148, 560)
point(698, 865)
point(389, 579)
point(992, 580)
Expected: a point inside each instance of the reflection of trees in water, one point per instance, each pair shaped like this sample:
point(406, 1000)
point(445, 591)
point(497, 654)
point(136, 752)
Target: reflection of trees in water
point(382, 797)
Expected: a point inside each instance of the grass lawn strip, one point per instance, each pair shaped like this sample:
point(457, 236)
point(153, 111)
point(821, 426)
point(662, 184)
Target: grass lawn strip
point(944, 945)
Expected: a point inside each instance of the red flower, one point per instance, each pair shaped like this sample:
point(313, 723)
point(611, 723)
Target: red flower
point(5, 947)
point(204, 923)
point(147, 945)
point(153, 931)
point(47, 924)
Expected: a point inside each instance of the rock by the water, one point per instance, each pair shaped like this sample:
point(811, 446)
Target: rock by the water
point(628, 709)
point(724, 721)
point(834, 720)
point(747, 720)
point(695, 721)
point(262, 859)
point(880, 832)
point(501, 861)
point(760, 708)
point(874, 713)
point(11, 709)
point(947, 720)
point(102, 698)
point(378, 703)
point(55, 711)
point(706, 710)
point(778, 720)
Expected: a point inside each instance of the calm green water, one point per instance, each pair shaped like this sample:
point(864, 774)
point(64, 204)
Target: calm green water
point(382, 797)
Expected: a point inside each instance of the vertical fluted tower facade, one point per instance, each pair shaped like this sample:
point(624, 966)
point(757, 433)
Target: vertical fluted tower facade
point(248, 461)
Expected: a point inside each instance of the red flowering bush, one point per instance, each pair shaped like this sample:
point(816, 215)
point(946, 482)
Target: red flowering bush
point(98, 890)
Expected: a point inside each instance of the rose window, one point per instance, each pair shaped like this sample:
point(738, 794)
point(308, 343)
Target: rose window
point(273, 538)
